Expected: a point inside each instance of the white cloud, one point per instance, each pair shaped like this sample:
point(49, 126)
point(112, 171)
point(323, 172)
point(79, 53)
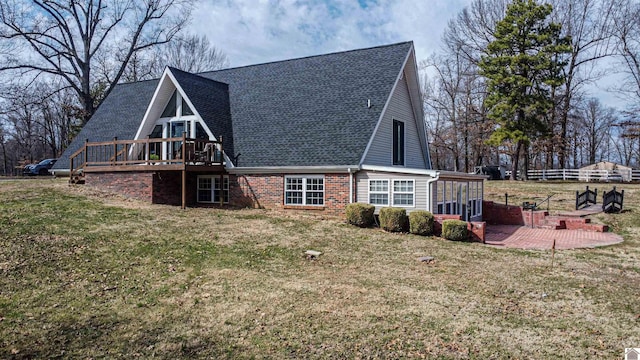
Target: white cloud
point(251, 32)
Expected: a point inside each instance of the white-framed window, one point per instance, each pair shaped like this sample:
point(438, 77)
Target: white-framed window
point(210, 189)
point(403, 192)
point(398, 142)
point(205, 187)
point(379, 192)
point(304, 190)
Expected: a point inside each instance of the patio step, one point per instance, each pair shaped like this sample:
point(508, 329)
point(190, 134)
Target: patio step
point(570, 223)
point(553, 223)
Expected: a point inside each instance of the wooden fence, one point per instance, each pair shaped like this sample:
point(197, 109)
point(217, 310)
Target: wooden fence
point(621, 175)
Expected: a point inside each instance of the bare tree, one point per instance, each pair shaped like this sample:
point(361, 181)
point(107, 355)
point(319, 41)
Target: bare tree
point(192, 53)
point(455, 114)
point(3, 147)
point(454, 97)
point(594, 121)
point(627, 33)
point(472, 29)
point(64, 39)
point(588, 23)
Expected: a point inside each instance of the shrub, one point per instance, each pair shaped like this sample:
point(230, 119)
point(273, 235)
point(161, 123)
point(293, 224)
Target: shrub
point(360, 214)
point(421, 222)
point(454, 230)
point(393, 219)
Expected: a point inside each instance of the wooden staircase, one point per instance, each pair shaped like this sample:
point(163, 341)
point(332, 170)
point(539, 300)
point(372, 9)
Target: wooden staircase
point(77, 177)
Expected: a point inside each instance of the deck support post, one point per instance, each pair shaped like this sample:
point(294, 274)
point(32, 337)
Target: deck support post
point(184, 189)
point(221, 190)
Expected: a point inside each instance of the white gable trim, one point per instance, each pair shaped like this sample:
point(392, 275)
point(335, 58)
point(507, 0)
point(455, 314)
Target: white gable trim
point(155, 108)
point(416, 104)
point(149, 107)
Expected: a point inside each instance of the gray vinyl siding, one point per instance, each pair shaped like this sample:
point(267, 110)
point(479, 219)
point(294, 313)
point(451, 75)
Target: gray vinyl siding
point(420, 187)
point(381, 149)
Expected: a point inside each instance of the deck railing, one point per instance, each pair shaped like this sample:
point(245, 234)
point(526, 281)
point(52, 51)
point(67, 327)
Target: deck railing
point(167, 151)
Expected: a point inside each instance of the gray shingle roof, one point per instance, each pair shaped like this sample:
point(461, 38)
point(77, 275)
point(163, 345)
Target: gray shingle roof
point(118, 116)
point(303, 112)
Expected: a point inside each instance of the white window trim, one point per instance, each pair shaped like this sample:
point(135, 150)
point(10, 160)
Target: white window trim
point(191, 133)
point(213, 188)
point(404, 143)
point(413, 193)
point(304, 189)
point(388, 192)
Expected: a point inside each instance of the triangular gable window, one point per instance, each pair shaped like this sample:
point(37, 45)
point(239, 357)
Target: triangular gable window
point(186, 110)
point(170, 109)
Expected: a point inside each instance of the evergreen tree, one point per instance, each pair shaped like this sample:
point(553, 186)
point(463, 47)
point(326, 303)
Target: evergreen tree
point(522, 64)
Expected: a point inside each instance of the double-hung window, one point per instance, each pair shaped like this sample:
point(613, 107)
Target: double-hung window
point(379, 192)
point(394, 192)
point(304, 190)
point(210, 189)
point(403, 193)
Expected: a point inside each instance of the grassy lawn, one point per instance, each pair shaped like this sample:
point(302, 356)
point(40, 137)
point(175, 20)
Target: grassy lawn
point(85, 274)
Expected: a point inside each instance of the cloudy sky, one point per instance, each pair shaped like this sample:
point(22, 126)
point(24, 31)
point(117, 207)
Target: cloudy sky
point(257, 31)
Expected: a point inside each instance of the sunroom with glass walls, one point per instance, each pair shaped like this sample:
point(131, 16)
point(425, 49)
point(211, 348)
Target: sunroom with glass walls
point(458, 197)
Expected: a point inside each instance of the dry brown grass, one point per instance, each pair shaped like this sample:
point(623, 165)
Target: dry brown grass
point(85, 273)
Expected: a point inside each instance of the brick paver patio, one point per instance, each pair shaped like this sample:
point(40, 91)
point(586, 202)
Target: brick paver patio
point(513, 236)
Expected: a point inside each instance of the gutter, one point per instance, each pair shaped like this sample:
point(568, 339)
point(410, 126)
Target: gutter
point(293, 169)
point(351, 184)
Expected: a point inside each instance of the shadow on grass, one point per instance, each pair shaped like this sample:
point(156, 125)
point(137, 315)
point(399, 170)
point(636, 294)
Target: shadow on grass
point(101, 336)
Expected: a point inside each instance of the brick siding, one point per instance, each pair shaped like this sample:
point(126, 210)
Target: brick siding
point(162, 187)
point(267, 191)
point(259, 191)
point(137, 185)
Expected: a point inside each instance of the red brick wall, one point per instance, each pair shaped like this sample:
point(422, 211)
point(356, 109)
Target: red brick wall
point(263, 190)
point(499, 214)
point(167, 188)
point(336, 192)
point(162, 187)
point(494, 213)
point(267, 191)
point(137, 185)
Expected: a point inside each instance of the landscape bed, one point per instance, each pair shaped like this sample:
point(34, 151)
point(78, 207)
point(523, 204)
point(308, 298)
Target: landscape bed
point(89, 274)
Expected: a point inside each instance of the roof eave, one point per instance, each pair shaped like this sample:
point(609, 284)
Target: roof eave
point(294, 169)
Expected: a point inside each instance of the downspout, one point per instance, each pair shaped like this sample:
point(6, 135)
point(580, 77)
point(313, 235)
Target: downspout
point(350, 185)
point(436, 178)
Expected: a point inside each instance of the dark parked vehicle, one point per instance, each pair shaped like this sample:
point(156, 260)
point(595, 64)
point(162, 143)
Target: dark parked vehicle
point(41, 168)
point(27, 169)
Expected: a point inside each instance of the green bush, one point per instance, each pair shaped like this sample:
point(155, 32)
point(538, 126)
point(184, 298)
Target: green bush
point(360, 214)
point(421, 222)
point(454, 230)
point(393, 219)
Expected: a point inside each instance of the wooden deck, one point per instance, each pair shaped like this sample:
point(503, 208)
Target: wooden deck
point(149, 155)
